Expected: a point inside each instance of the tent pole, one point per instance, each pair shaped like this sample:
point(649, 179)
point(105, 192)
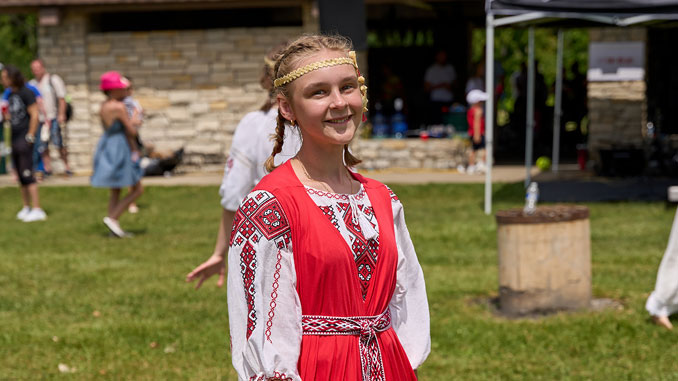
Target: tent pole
point(489, 108)
point(529, 127)
point(558, 109)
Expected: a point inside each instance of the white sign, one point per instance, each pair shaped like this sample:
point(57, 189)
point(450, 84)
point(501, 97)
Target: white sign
point(616, 61)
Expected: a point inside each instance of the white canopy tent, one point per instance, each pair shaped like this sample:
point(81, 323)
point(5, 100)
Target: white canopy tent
point(500, 13)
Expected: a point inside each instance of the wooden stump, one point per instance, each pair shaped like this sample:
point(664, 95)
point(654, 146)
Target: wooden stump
point(544, 259)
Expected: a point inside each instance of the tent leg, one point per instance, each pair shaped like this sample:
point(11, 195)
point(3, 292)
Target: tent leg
point(489, 109)
point(558, 109)
point(529, 127)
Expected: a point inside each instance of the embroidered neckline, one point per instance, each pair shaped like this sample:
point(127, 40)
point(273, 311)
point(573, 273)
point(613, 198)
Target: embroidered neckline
point(336, 196)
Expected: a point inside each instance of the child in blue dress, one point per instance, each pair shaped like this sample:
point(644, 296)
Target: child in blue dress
point(116, 161)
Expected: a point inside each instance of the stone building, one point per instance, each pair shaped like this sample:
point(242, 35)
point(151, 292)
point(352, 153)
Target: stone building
point(195, 65)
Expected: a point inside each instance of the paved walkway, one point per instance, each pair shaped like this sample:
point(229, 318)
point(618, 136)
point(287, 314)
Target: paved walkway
point(500, 174)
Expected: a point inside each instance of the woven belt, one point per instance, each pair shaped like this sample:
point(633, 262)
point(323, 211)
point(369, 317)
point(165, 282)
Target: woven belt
point(366, 327)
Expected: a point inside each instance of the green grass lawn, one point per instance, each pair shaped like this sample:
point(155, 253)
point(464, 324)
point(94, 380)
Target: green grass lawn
point(119, 309)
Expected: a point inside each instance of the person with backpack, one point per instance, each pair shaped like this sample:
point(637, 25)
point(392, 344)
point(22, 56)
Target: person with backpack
point(53, 92)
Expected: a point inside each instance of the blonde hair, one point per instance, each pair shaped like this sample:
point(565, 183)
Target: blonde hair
point(286, 62)
point(267, 75)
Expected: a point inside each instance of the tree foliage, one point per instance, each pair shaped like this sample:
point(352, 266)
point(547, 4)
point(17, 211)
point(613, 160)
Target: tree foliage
point(18, 40)
point(510, 49)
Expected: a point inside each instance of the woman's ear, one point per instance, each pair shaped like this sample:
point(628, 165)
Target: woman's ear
point(285, 108)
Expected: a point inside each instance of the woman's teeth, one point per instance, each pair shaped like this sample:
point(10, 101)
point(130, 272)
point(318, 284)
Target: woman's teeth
point(341, 120)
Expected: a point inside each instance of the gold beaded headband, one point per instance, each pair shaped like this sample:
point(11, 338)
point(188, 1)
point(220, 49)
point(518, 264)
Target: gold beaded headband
point(350, 60)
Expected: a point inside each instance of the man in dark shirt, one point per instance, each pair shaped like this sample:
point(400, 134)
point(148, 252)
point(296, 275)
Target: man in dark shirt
point(22, 112)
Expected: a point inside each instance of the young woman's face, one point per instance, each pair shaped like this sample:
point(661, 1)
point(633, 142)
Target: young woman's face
point(326, 103)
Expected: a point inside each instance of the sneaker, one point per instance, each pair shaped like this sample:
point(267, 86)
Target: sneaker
point(133, 209)
point(114, 227)
point(36, 214)
point(471, 170)
point(23, 213)
point(461, 168)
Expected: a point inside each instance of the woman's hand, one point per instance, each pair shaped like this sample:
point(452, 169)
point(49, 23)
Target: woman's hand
point(136, 155)
point(216, 264)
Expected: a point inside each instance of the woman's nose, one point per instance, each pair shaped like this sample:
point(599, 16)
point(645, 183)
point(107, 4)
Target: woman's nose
point(337, 100)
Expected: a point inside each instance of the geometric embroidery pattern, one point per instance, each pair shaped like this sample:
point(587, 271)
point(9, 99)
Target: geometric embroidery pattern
point(276, 376)
point(365, 251)
point(366, 327)
point(258, 216)
point(248, 267)
point(274, 296)
point(394, 198)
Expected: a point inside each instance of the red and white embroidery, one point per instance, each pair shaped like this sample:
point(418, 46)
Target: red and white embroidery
point(340, 214)
point(277, 376)
point(274, 296)
point(248, 267)
point(394, 198)
point(259, 216)
point(366, 327)
point(337, 196)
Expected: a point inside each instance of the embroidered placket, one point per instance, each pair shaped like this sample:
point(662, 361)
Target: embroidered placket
point(358, 218)
point(366, 327)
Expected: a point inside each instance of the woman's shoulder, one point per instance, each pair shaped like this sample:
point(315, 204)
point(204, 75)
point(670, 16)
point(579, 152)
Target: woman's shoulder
point(112, 105)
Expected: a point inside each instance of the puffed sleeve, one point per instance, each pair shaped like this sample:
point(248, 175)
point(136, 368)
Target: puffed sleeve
point(263, 306)
point(409, 306)
point(240, 172)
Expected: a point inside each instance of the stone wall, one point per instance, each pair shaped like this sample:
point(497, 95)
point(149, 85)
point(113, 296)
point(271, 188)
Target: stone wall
point(617, 110)
point(411, 153)
point(194, 85)
point(63, 48)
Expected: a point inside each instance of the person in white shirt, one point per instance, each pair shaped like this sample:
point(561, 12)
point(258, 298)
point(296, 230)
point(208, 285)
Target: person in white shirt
point(251, 146)
point(53, 92)
point(438, 82)
point(663, 301)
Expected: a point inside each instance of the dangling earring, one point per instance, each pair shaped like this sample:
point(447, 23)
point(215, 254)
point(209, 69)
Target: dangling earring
point(293, 123)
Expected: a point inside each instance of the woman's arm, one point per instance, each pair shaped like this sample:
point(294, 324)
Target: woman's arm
point(128, 124)
point(477, 115)
point(409, 305)
point(215, 264)
point(263, 306)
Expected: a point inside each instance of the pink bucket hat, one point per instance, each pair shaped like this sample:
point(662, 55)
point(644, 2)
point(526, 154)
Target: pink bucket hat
point(112, 80)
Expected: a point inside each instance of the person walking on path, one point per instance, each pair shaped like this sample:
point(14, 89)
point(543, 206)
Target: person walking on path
point(663, 301)
point(53, 90)
point(323, 279)
point(22, 112)
point(251, 147)
point(116, 160)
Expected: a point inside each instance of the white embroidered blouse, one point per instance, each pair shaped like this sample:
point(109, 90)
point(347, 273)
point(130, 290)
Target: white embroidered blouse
point(276, 313)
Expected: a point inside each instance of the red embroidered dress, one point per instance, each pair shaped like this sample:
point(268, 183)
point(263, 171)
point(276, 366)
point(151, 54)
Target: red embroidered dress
point(323, 286)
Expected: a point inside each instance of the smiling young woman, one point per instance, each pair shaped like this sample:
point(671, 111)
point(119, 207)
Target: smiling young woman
point(323, 279)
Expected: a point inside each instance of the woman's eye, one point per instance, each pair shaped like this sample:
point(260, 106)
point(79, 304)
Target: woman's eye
point(318, 92)
point(348, 87)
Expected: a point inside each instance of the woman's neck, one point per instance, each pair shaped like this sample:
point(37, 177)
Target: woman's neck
point(323, 167)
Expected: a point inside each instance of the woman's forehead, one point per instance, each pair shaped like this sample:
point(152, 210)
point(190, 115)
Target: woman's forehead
point(322, 55)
